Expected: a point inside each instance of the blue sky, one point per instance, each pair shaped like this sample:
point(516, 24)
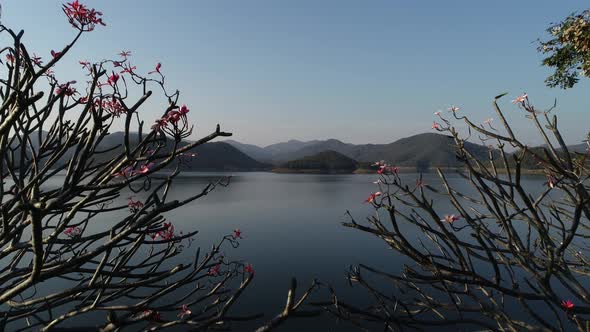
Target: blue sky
point(358, 71)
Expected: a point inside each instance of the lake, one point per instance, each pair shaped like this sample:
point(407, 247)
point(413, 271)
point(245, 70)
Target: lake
point(291, 225)
point(292, 228)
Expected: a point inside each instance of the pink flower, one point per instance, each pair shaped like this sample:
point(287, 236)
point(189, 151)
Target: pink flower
point(184, 311)
point(420, 183)
point(520, 99)
point(249, 269)
point(379, 163)
point(567, 304)
point(144, 169)
point(113, 79)
point(237, 234)
point(453, 109)
point(158, 66)
point(85, 64)
point(113, 106)
point(215, 270)
point(128, 69)
point(10, 57)
point(66, 89)
point(551, 181)
point(168, 232)
point(437, 113)
point(134, 206)
point(151, 315)
point(386, 169)
point(55, 54)
point(73, 232)
point(173, 117)
point(80, 17)
point(183, 110)
point(36, 59)
point(450, 218)
point(125, 171)
point(125, 54)
point(159, 124)
point(372, 197)
point(435, 125)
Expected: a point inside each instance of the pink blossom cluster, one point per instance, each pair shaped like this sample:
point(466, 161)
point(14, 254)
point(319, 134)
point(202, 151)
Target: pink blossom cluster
point(35, 59)
point(152, 315)
point(130, 171)
point(73, 232)
point(385, 168)
point(66, 89)
point(174, 123)
point(167, 233)
point(215, 270)
point(81, 17)
point(111, 106)
point(372, 197)
point(134, 206)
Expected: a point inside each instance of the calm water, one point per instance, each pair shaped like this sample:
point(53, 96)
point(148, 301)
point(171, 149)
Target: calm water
point(291, 225)
point(292, 228)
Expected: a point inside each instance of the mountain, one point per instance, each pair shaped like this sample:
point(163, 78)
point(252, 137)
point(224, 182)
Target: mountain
point(252, 150)
point(315, 147)
point(422, 150)
point(323, 162)
point(209, 156)
point(288, 147)
point(223, 156)
point(579, 148)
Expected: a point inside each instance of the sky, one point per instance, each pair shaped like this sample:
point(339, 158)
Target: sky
point(357, 71)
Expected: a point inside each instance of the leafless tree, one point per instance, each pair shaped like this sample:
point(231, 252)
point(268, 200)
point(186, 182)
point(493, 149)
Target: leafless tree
point(78, 253)
point(484, 251)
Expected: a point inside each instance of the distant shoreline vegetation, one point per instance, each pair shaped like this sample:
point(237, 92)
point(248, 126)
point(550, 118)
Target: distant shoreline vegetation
point(323, 162)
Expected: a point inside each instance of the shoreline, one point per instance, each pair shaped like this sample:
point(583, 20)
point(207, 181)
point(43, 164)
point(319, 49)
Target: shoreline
point(401, 170)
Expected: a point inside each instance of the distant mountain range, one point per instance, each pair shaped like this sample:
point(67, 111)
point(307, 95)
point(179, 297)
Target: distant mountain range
point(422, 150)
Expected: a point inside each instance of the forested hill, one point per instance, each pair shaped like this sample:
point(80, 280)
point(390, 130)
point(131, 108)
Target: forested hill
point(326, 161)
